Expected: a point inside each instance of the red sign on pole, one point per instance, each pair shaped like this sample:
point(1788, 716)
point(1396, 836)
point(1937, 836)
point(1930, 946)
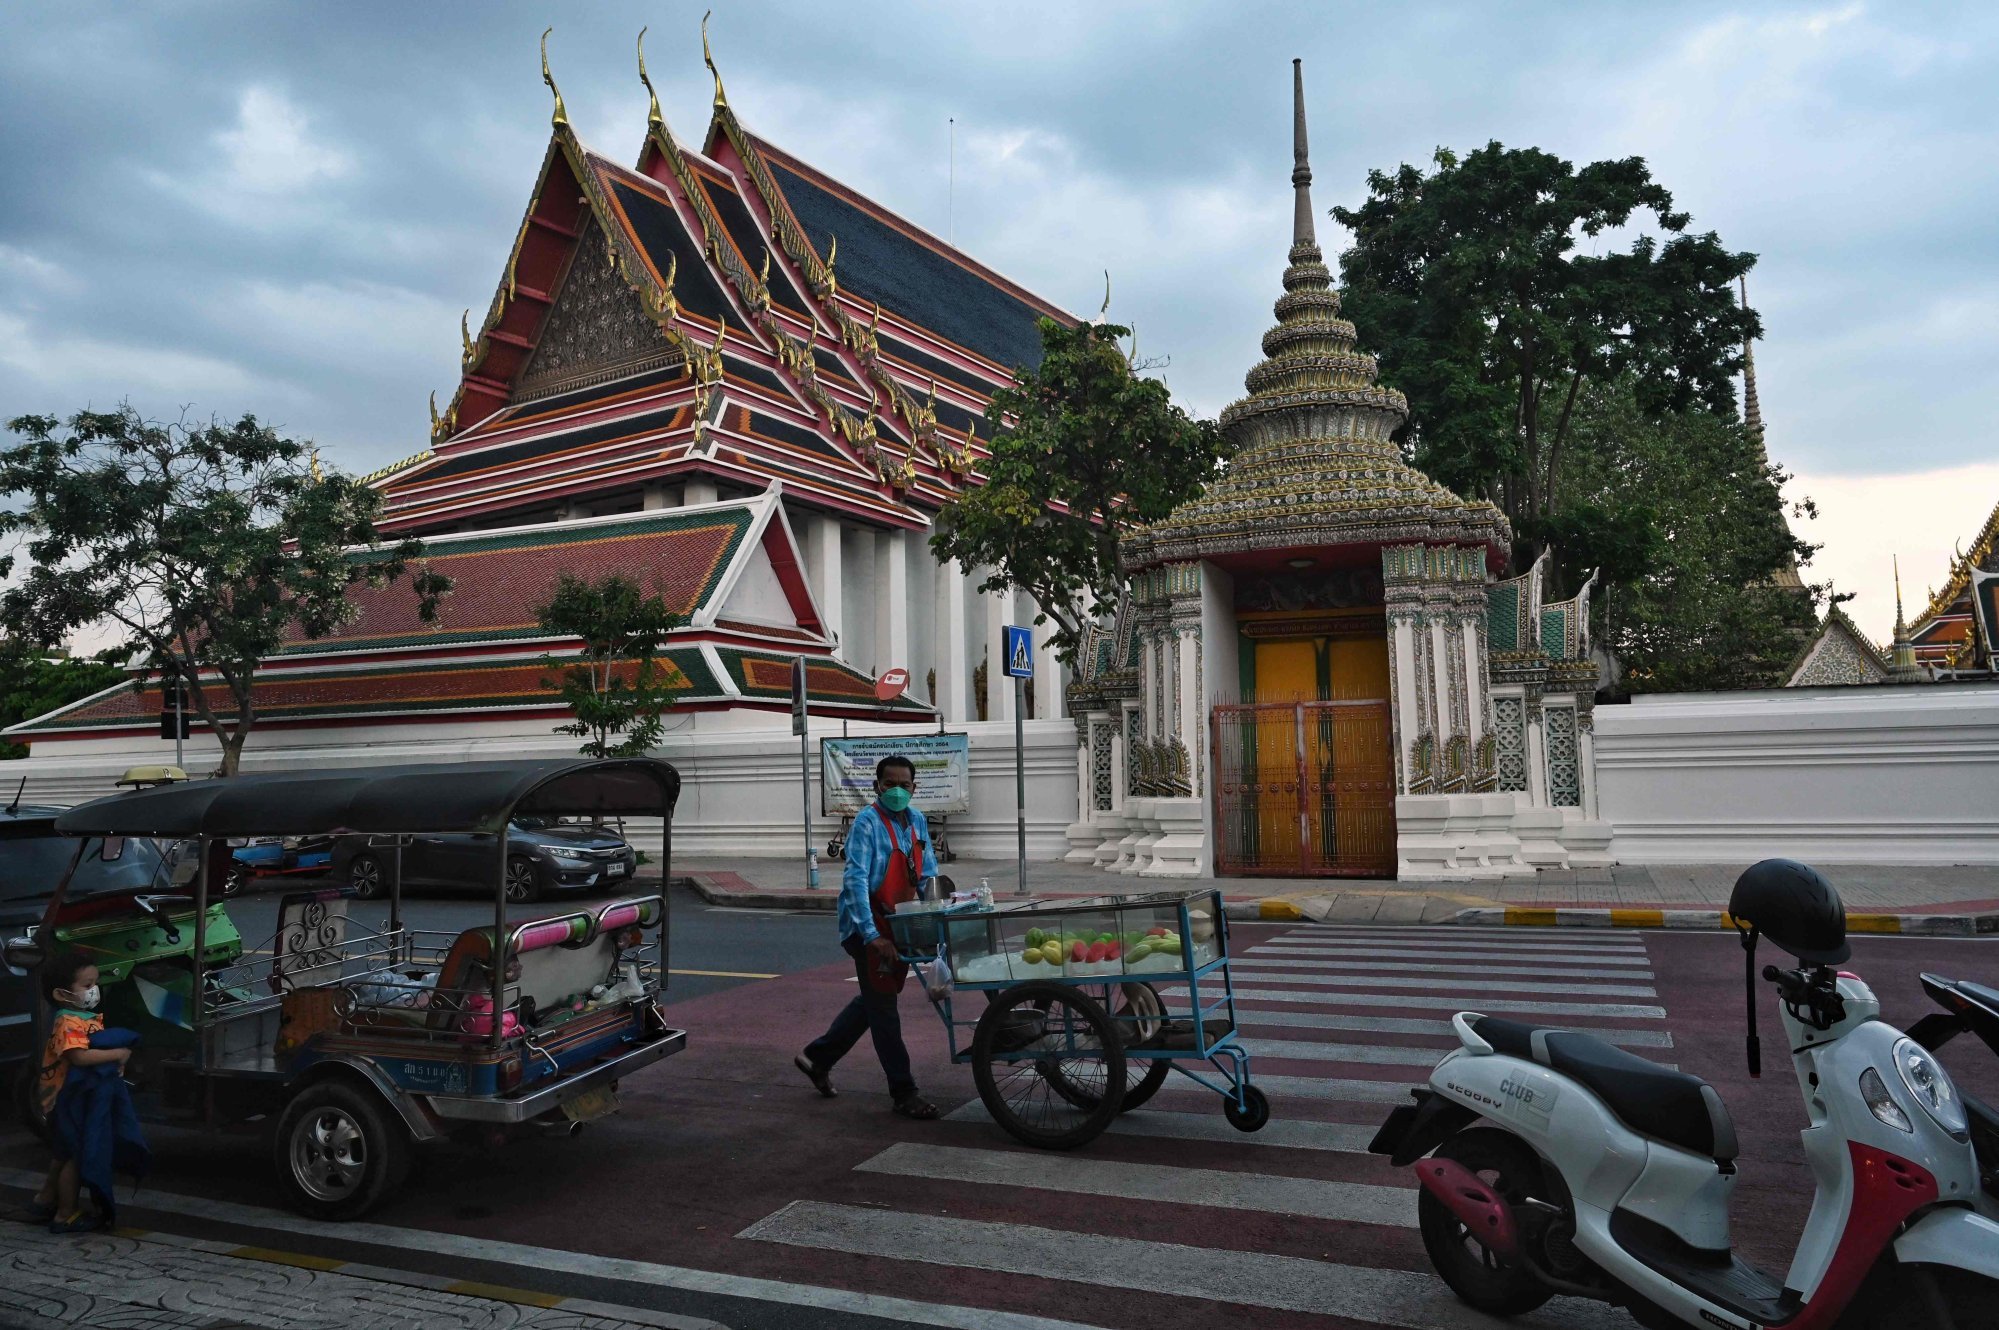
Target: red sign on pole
point(889, 687)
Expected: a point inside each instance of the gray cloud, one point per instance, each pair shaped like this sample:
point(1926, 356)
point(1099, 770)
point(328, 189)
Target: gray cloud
point(282, 208)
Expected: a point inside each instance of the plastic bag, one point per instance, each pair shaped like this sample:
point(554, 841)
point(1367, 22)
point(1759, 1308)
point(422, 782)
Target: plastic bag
point(936, 977)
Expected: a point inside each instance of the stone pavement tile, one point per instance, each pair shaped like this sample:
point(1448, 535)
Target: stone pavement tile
point(119, 1282)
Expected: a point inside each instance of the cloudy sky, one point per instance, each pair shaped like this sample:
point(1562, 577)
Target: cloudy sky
point(283, 207)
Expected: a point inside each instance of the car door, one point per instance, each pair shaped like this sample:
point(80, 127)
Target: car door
point(469, 861)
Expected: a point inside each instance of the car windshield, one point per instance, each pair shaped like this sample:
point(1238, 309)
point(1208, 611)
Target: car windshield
point(32, 864)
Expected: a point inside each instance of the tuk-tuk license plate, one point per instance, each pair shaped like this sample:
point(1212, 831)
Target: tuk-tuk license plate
point(591, 1104)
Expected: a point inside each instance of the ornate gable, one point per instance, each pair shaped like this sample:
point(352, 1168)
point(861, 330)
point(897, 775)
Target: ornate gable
point(1839, 653)
point(598, 328)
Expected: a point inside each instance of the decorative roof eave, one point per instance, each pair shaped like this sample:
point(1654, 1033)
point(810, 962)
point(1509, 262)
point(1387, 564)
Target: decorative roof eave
point(1836, 618)
point(822, 285)
point(1943, 602)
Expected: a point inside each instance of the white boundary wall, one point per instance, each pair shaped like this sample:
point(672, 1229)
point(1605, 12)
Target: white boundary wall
point(1886, 774)
point(739, 774)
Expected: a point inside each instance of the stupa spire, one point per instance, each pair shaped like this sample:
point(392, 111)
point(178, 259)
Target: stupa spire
point(1302, 233)
point(1902, 666)
point(1752, 410)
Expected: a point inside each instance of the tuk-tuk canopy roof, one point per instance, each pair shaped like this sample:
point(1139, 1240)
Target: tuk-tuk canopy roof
point(454, 797)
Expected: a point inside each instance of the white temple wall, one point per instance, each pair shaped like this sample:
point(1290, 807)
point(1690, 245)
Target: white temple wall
point(1886, 774)
point(739, 773)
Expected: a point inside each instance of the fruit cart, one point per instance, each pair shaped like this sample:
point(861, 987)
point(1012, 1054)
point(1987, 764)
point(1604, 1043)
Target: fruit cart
point(1087, 1006)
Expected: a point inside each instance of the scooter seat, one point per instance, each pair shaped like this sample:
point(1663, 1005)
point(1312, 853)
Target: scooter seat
point(1652, 1100)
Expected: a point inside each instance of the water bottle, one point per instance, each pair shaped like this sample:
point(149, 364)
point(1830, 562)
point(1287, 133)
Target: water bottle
point(985, 893)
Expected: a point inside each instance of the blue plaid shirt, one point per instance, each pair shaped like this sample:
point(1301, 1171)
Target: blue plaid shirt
point(868, 852)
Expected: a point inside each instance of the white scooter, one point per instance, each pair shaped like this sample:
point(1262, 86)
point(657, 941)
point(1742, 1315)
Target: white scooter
point(1602, 1175)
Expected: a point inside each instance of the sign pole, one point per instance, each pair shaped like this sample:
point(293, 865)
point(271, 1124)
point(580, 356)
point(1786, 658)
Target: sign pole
point(801, 718)
point(1020, 781)
point(180, 722)
point(1019, 644)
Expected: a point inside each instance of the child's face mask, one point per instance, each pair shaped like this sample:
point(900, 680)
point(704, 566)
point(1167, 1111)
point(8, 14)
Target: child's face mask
point(84, 999)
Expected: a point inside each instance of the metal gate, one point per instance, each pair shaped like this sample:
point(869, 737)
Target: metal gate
point(1304, 789)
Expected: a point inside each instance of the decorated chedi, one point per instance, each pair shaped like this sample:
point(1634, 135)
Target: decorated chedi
point(1311, 694)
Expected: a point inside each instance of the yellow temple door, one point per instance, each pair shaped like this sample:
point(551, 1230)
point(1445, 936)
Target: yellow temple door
point(1306, 779)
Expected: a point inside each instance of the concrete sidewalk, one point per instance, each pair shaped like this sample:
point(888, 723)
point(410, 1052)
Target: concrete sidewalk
point(1945, 900)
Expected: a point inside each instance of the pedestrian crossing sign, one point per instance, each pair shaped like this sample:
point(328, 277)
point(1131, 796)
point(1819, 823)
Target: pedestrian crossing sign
point(1019, 653)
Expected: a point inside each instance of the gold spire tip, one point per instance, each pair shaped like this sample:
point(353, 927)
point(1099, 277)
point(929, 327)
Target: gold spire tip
point(653, 117)
point(560, 116)
point(1105, 308)
point(708, 58)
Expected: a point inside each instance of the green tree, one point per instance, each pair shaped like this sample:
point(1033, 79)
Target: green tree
point(1685, 520)
point(1081, 445)
point(620, 688)
point(1469, 286)
point(203, 548)
point(33, 683)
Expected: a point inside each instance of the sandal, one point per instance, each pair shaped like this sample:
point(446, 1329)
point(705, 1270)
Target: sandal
point(80, 1222)
point(817, 1075)
point(917, 1108)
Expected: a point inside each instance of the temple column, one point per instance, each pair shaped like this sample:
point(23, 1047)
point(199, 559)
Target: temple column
point(655, 496)
point(824, 564)
point(1047, 670)
point(892, 600)
point(999, 688)
point(954, 667)
point(699, 489)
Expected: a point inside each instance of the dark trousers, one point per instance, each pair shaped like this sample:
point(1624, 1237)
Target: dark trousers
point(869, 1013)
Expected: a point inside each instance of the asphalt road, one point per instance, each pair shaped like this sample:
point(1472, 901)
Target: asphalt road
point(726, 1189)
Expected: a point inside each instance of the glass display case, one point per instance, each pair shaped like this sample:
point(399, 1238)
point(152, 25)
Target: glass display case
point(1099, 937)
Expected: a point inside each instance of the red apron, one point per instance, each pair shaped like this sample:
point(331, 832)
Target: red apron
point(899, 883)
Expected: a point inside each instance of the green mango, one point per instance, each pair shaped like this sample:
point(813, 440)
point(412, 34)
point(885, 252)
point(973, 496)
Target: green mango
point(1034, 937)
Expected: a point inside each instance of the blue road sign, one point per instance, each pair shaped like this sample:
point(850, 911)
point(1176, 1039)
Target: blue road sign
point(1019, 653)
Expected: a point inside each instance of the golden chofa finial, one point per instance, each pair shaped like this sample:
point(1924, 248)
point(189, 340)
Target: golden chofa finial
point(708, 58)
point(653, 117)
point(763, 274)
point(560, 116)
point(317, 474)
point(465, 336)
point(435, 419)
point(1105, 308)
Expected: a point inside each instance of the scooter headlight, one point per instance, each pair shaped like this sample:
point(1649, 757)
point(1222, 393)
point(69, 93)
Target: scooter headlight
point(1930, 1085)
point(1882, 1104)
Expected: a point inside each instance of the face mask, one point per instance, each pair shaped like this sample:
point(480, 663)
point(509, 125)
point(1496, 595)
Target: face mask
point(895, 798)
point(84, 999)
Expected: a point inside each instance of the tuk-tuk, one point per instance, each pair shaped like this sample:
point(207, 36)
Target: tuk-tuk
point(364, 1040)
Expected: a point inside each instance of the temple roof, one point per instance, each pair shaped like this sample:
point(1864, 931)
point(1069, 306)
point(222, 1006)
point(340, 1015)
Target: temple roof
point(1945, 632)
point(1838, 653)
point(731, 313)
point(1316, 463)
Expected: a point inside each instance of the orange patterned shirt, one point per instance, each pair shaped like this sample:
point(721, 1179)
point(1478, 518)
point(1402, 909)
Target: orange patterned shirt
point(71, 1030)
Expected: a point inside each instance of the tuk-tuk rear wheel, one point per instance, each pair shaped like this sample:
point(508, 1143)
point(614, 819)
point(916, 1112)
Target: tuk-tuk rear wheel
point(340, 1151)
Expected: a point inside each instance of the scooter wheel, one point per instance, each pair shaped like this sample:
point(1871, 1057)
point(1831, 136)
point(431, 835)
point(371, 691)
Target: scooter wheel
point(1509, 1167)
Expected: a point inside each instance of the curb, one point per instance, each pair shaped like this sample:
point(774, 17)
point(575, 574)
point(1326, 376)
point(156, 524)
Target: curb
point(825, 899)
point(1912, 925)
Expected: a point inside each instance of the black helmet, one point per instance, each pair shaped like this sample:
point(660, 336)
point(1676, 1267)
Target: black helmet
point(1794, 907)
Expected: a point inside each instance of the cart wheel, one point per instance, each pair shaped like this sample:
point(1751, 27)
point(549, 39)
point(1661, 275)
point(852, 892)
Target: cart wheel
point(1137, 1014)
point(836, 850)
point(1252, 1115)
point(1034, 1042)
point(340, 1151)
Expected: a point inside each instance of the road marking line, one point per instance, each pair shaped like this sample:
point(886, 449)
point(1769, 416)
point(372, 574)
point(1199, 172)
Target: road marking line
point(1243, 970)
point(1258, 1018)
point(1337, 951)
point(1454, 939)
point(1405, 1298)
point(1461, 935)
point(727, 974)
point(1483, 1005)
point(1262, 1193)
point(585, 1264)
point(1310, 1050)
point(1339, 1137)
point(1465, 969)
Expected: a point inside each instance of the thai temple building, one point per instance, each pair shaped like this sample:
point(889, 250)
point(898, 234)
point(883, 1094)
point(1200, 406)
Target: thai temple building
point(739, 382)
point(1315, 673)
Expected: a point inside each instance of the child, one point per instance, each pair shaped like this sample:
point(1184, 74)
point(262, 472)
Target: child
point(70, 984)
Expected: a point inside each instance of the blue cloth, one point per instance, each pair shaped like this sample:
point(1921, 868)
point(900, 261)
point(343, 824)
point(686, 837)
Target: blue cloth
point(95, 1124)
point(867, 861)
